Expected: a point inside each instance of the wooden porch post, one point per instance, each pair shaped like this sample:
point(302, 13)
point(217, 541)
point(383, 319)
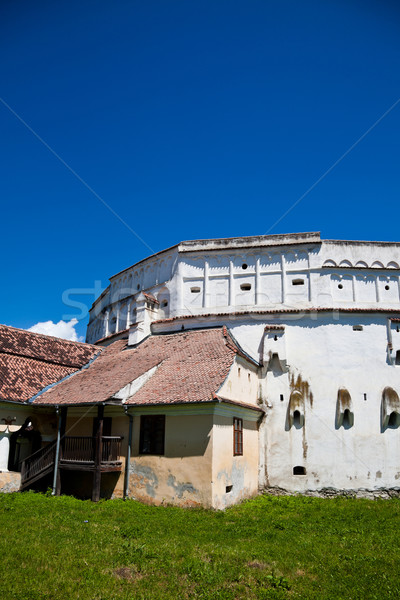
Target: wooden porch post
point(98, 445)
point(60, 438)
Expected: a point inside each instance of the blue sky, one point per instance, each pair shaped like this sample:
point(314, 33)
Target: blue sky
point(190, 120)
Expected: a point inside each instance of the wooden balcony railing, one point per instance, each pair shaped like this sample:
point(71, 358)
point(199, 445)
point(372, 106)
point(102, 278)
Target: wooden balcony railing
point(111, 448)
point(81, 449)
point(77, 452)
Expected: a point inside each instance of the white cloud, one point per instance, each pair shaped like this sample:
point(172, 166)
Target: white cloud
point(62, 329)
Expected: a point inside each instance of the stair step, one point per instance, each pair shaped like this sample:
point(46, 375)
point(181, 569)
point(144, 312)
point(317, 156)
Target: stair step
point(27, 482)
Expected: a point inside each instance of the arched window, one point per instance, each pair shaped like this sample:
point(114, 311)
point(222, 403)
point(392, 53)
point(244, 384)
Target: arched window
point(296, 409)
point(390, 409)
point(344, 410)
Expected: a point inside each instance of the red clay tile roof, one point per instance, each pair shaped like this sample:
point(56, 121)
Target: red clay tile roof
point(151, 298)
point(31, 361)
point(192, 365)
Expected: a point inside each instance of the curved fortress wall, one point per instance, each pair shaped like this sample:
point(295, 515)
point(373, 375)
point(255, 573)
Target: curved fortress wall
point(247, 274)
point(323, 320)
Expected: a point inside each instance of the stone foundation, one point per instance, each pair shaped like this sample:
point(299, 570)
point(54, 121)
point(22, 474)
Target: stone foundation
point(9, 482)
point(384, 493)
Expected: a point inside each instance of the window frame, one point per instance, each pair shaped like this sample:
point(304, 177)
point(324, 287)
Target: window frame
point(149, 445)
point(237, 436)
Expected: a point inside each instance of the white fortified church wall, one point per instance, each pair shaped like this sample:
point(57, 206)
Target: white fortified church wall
point(322, 317)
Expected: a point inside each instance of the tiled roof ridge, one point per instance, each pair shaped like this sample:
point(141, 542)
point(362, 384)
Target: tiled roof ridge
point(112, 335)
point(151, 298)
point(234, 345)
point(51, 350)
point(44, 335)
point(48, 361)
point(219, 398)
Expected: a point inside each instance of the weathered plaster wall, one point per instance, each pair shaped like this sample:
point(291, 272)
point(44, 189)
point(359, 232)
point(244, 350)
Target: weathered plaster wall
point(234, 477)
point(183, 475)
point(242, 383)
point(325, 354)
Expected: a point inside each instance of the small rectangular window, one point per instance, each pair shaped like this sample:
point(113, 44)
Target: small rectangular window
point(298, 470)
point(298, 282)
point(152, 434)
point(397, 362)
point(237, 437)
point(245, 287)
point(358, 327)
point(195, 290)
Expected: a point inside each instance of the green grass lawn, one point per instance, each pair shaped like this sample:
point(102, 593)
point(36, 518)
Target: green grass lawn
point(269, 547)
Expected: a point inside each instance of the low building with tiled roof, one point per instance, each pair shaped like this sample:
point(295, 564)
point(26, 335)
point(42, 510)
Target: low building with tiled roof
point(122, 420)
point(170, 395)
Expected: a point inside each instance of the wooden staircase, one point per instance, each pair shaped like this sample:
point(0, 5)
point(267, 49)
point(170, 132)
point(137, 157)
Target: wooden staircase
point(38, 465)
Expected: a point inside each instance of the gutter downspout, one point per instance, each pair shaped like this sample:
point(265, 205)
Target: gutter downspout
point(53, 493)
point(128, 454)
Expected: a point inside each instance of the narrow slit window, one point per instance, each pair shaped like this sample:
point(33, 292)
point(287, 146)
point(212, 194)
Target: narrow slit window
point(281, 397)
point(237, 437)
point(298, 282)
point(358, 327)
point(347, 419)
point(195, 290)
point(299, 470)
point(397, 361)
point(245, 287)
point(296, 418)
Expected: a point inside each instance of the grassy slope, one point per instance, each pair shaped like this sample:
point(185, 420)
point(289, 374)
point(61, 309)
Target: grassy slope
point(286, 547)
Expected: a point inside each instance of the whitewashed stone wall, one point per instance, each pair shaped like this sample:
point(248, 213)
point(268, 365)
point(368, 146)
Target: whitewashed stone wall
point(319, 316)
point(266, 273)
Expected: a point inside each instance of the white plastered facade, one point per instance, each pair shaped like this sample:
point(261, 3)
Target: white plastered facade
point(320, 316)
